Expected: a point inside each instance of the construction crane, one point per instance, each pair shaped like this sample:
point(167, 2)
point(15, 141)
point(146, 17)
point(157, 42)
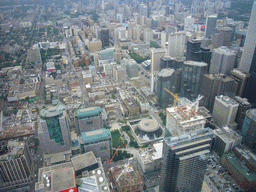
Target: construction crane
point(196, 103)
point(174, 95)
point(109, 161)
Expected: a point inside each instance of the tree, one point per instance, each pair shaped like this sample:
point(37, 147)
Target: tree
point(27, 98)
point(113, 96)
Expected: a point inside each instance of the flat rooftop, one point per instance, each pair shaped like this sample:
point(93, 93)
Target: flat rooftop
point(82, 161)
point(88, 112)
point(96, 135)
point(63, 179)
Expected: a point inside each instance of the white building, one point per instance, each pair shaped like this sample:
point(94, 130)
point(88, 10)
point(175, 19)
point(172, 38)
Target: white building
point(224, 111)
point(150, 158)
point(148, 35)
point(189, 24)
point(176, 44)
point(182, 119)
point(223, 60)
point(226, 139)
point(163, 39)
point(156, 54)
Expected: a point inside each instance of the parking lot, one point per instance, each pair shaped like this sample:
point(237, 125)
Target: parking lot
point(220, 177)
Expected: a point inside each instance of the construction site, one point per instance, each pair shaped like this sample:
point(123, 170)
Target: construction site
point(127, 177)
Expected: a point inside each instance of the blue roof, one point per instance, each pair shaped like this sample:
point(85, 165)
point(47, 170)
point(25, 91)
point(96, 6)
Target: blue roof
point(95, 135)
point(88, 112)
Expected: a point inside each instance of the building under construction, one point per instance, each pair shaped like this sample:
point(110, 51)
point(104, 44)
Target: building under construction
point(127, 178)
point(184, 118)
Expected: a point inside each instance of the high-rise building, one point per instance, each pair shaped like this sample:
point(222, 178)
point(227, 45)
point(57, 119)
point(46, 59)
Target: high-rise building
point(189, 24)
point(182, 119)
point(170, 62)
point(248, 130)
point(207, 55)
point(244, 106)
point(228, 35)
point(104, 37)
point(214, 85)
point(148, 35)
point(250, 91)
point(224, 111)
point(88, 119)
point(241, 80)
point(165, 80)
point(155, 56)
point(226, 139)
point(246, 64)
point(53, 131)
point(119, 73)
point(192, 76)
point(223, 61)
point(210, 25)
point(193, 51)
point(98, 141)
point(185, 161)
point(176, 44)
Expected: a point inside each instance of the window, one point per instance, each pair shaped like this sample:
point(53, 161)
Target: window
point(89, 122)
point(103, 148)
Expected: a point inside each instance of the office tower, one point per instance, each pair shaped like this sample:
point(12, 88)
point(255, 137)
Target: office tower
point(223, 61)
point(226, 139)
point(214, 85)
point(248, 130)
point(170, 62)
point(165, 80)
point(246, 64)
point(88, 119)
point(119, 73)
point(207, 55)
point(244, 106)
point(210, 25)
point(185, 161)
point(155, 56)
point(250, 91)
point(182, 119)
point(98, 141)
point(104, 37)
point(227, 33)
point(53, 129)
point(143, 10)
point(189, 24)
point(163, 39)
point(192, 76)
point(176, 44)
point(194, 52)
point(217, 39)
point(224, 111)
point(148, 35)
point(241, 80)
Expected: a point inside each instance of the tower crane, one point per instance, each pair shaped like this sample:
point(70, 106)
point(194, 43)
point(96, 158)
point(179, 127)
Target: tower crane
point(174, 95)
point(109, 161)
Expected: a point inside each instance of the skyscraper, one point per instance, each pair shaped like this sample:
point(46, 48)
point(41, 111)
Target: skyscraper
point(248, 130)
point(193, 51)
point(192, 76)
point(246, 65)
point(214, 85)
point(165, 80)
point(155, 56)
point(176, 44)
point(223, 60)
point(185, 161)
point(53, 129)
point(224, 111)
point(88, 119)
point(104, 37)
point(210, 25)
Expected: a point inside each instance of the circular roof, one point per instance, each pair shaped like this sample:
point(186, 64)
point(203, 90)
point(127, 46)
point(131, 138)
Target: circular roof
point(148, 125)
point(251, 113)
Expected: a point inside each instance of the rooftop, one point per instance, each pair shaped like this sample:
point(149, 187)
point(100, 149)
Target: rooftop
point(88, 112)
point(52, 111)
point(251, 113)
point(240, 166)
point(148, 125)
point(166, 72)
point(195, 63)
point(63, 179)
point(227, 100)
point(95, 135)
point(151, 153)
point(82, 161)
